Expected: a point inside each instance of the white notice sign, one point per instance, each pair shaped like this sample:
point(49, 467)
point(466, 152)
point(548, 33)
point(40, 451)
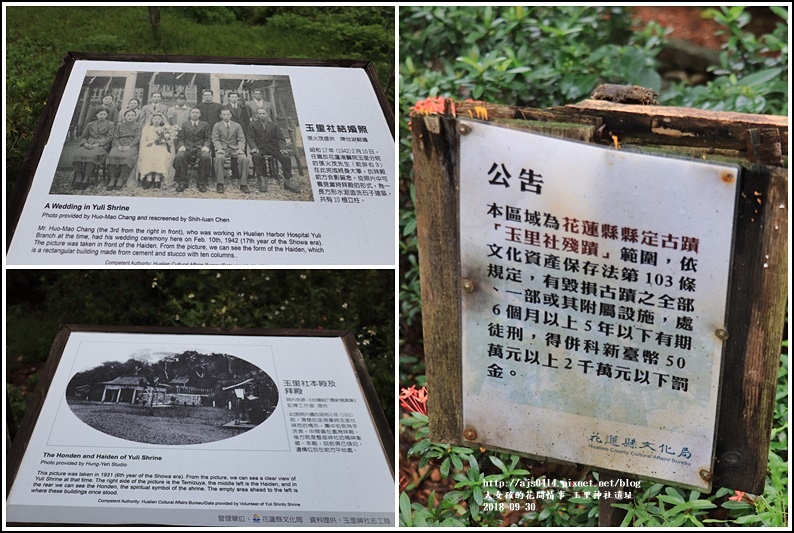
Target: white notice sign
point(130, 177)
point(593, 330)
point(214, 430)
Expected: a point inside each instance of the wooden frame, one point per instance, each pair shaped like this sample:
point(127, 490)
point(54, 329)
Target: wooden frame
point(20, 443)
point(758, 287)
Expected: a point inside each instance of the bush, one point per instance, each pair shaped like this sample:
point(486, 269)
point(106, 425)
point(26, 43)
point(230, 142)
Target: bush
point(358, 300)
point(752, 74)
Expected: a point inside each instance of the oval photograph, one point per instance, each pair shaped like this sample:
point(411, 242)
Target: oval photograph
point(173, 399)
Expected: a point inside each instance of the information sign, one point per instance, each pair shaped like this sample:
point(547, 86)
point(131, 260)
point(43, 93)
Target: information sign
point(122, 173)
point(594, 298)
point(197, 429)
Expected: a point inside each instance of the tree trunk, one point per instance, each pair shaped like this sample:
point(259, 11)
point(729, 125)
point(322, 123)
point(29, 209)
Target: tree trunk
point(154, 20)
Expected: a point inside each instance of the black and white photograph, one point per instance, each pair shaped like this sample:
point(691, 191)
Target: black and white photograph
point(184, 134)
point(173, 397)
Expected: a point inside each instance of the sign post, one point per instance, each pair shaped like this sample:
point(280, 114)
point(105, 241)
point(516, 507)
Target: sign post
point(557, 276)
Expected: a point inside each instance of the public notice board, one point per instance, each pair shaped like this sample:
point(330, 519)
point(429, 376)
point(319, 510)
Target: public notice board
point(593, 304)
point(122, 174)
point(212, 430)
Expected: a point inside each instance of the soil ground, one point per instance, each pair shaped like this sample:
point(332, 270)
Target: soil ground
point(170, 425)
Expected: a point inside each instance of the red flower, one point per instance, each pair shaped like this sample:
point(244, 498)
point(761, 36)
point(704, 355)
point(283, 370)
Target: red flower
point(414, 400)
point(740, 496)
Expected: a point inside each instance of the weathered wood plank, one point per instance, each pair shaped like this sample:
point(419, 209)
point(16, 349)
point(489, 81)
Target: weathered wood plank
point(565, 130)
point(382, 425)
point(681, 126)
point(35, 404)
point(756, 315)
point(435, 148)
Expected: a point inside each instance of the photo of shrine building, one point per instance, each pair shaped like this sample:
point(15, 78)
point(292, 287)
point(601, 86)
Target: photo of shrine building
point(136, 390)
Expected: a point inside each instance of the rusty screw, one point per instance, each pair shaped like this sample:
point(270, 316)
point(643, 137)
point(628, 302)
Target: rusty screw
point(469, 434)
point(468, 285)
point(705, 474)
point(728, 176)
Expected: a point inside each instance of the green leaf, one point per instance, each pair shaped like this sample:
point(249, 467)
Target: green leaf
point(461, 450)
point(675, 494)
point(760, 77)
point(498, 463)
point(456, 462)
point(477, 494)
point(780, 11)
point(474, 467)
point(445, 468)
point(405, 509)
point(453, 496)
point(748, 519)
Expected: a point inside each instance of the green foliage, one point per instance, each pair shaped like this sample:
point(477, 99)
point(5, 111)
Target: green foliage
point(675, 507)
point(207, 14)
point(358, 33)
point(534, 56)
point(358, 300)
point(101, 42)
point(752, 75)
point(482, 492)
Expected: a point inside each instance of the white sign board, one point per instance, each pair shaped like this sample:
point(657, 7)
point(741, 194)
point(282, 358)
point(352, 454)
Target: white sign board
point(212, 430)
point(92, 202)
point(597, 293)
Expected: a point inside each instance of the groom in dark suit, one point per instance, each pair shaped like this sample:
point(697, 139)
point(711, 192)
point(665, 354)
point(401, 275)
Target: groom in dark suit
point(193, 143)
point(239, 112)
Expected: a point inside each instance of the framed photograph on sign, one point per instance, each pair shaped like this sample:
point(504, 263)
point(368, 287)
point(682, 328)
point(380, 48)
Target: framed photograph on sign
point(145, 160)
point(195, 426)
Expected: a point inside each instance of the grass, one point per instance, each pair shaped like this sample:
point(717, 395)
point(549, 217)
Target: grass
point(170, 425)
point(57, 30)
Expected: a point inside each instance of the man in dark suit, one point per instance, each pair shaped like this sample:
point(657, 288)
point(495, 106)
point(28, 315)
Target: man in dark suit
point(239, 112)
point(229, 141)
point(193, 142)
point(210, 111)
point(265, 138)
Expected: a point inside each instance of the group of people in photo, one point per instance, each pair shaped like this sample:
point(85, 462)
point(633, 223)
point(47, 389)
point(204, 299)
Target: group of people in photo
point(156, 141)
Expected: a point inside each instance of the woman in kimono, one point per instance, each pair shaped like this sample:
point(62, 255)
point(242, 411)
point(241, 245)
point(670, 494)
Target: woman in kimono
point(156, 153)
point(92, 149)
point(124, 152)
